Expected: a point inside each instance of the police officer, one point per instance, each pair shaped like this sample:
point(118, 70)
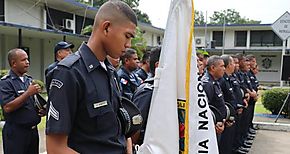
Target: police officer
point(215, 71)
point(144, 70)
point(20, 133)
point(61, 50)
point(227, 139)
point(246, 85)
point(143, 94)
point(84, 96)
point(128, 79)
point(255, 84)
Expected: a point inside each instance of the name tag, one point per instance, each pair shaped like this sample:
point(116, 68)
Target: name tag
point(100, 104)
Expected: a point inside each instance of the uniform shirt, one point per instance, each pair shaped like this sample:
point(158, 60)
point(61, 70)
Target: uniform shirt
point(244, 80)
point(47, 71)
point(237, 90)
point(214, 93)
point(142, 74)
point(11, 87)
point(228, 91)
point(83, 104)
point(254, 80)
point(129, 82)
point(142, 99)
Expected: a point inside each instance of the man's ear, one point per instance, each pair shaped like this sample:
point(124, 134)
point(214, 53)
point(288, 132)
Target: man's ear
point(156, 64)
point(106, 27)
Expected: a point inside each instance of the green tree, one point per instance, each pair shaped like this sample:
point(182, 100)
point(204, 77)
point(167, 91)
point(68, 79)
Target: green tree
point(143, 17)
point(139, 43)
point(230, 16)
point(199, 18)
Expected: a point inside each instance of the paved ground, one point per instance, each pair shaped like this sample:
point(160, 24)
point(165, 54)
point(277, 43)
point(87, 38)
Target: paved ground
point(271, 142)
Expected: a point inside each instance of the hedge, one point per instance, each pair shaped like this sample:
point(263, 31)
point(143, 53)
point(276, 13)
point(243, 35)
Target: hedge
point(273, 100)
point(2, 73)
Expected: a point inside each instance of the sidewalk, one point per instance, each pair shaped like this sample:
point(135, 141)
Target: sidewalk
point(268, 140)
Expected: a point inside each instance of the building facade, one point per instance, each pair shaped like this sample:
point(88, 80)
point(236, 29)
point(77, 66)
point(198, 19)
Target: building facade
point(257, 39)
point(37, 25)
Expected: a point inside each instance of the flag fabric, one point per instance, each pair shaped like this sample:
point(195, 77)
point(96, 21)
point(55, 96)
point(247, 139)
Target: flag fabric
point(179, 119)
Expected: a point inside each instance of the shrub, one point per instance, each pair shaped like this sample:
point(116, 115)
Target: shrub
point(40, 83)
point(3, 72)
point(273, 100)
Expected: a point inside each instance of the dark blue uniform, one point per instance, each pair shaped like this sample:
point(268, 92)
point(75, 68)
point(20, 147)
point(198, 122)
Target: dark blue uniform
point(129, 82)
point(20, 133)
point(227, 137)
point(142, 74)
point(255, 85)
point(83, 103)
point(48, 70)
point(214, 93)
point(142, 99)
point(245, 83)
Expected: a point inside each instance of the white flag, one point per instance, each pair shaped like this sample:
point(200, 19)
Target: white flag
point(179, 119)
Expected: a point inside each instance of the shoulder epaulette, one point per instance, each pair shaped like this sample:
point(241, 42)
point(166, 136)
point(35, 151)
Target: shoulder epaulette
point(5, 77)
point(70, 60)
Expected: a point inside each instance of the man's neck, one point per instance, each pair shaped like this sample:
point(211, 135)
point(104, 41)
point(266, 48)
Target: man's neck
point(18, 73)
point(96, 48)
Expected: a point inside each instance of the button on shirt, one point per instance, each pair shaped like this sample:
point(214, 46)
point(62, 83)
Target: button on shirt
point(11, 87)
point(83, 103)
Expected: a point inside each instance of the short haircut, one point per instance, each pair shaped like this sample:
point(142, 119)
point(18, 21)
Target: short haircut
point(145, 57)
point(128, 54)
point(154, 57)
point(250, 57)
point(114, 10)
point(227, 59)
point(240, 56)
point(213, 60)
point(12, 54)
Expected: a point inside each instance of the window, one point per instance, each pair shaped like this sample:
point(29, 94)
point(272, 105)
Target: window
point(264, 38)
point(240, 38)
point(218, 38)
point(1, 10)
point(158, 40)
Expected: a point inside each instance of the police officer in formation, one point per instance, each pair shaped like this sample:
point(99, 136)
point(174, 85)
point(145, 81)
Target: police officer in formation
point(144, 70)
point(17, 91)
point(128, 79)
point(215, 71)
point(84, 97)
point(231, 87)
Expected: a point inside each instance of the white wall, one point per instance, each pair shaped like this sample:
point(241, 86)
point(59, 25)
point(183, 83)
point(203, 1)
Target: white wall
point(22, 12)
point(271, 74)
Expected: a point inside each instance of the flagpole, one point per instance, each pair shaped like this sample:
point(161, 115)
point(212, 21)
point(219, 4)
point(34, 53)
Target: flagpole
point(224, 32)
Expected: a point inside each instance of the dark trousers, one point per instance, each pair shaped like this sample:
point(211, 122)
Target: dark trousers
point(238, 133)
point(227, 140)
point(20, 140)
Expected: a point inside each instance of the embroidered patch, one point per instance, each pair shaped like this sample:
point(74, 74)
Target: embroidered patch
point(52, 112)
point(100, 104)
point(124, 81)
point(56, 83)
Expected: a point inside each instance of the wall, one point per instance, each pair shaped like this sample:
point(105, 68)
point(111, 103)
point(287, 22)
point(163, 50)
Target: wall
point(22, 12)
